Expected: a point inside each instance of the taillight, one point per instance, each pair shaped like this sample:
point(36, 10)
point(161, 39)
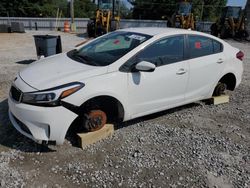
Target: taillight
point(240, 55)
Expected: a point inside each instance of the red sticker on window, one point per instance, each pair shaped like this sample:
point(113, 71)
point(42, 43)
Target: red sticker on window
point(198, 45)
point(116, 42)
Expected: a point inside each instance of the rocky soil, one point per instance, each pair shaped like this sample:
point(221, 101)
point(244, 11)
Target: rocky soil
point(196, 145)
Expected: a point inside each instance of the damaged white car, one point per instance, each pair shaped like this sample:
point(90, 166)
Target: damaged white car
point(120, 76)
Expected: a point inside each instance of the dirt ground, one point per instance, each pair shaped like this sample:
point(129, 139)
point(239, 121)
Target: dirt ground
point(196, 145)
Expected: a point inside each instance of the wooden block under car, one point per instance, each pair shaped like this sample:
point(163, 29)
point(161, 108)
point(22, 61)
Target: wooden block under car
point(220, 99)
point(86, 139)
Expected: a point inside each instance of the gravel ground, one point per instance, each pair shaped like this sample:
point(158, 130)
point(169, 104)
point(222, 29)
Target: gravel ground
point(196, 145)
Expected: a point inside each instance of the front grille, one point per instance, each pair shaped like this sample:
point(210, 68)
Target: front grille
point(22, 125)
point(15, 93)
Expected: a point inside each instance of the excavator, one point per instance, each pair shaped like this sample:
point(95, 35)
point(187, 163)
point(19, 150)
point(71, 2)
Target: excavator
point(183, 16)
point(230, 24)
point(106, 19)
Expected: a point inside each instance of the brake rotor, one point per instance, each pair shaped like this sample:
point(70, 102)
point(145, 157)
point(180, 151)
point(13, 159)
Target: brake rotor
point(220, 89)
point(96, 119)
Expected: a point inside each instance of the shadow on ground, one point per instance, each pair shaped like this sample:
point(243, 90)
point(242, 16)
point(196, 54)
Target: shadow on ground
point(11, 138)
point(157, 115)
point(26, 62)
point(73, 139)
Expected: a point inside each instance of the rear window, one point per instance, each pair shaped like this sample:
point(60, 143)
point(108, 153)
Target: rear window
point(218, 47)
point(200, 46)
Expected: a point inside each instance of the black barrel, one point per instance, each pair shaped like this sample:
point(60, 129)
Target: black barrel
point(47, 45)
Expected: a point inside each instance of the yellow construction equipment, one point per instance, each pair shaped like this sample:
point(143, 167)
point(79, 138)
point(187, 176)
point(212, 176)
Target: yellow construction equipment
point(107, 19)
point(183, 16)
point(230, 24)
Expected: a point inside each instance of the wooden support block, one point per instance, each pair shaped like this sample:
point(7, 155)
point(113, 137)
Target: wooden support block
point(220, 99)
point(86, 139)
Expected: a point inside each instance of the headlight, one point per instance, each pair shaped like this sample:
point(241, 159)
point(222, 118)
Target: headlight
point(51, 97)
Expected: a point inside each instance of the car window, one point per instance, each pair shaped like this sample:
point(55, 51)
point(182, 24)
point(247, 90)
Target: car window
point(163, 52)
point(218, 47)
point(200, 46)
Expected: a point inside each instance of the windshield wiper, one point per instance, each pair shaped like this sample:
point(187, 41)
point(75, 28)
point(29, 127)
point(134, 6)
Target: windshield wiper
point(87, 59)
point(76, 56)
point(81, 58)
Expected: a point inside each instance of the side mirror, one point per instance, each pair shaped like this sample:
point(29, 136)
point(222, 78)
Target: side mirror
point(145, 66)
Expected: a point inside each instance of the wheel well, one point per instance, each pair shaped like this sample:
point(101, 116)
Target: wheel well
point(230, 80)
point(110, 105)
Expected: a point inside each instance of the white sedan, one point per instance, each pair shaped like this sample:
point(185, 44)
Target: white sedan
point(120, 76)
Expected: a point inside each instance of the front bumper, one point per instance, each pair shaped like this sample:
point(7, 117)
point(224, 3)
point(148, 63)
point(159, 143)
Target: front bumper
point(41, 123)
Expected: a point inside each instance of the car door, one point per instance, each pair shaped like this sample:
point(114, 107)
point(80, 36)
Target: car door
point(205, 65)
point(163, 88)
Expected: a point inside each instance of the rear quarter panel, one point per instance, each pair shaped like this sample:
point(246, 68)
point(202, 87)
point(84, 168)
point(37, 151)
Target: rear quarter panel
point(232, 65)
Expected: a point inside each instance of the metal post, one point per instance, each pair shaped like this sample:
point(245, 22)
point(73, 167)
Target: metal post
point(51, 25)
point(8, 18)
point(30, 24)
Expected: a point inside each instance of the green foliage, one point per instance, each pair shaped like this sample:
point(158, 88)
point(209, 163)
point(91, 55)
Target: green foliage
point(160, 9)
point(45, 8)
point(84, 8)
point(11, 7)
point(143, 9)
point(211, 9)
point(48, 8)
point(153, 9)
point(247, 9)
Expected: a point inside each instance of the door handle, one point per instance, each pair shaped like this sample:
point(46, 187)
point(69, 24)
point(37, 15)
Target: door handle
point(220, 61)
point(181, 71)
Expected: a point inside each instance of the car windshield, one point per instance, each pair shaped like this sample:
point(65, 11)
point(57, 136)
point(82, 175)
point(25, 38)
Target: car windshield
point(109, 48)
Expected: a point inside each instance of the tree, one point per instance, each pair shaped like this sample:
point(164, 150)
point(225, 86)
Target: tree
point(48, 8)
point(208, 10)
point(84, 8)
point(153, 9)
point(158, 9)
point(44, 8)
point(247, 9)
point(12, 7)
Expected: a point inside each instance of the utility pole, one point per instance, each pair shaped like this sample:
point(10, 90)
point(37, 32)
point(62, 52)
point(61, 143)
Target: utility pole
point(72, 10)
point(73, 26)
point(202, 10)
point(113, 9)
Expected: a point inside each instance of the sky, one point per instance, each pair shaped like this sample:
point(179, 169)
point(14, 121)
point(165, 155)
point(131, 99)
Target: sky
point(237, 2)
point(229, 2)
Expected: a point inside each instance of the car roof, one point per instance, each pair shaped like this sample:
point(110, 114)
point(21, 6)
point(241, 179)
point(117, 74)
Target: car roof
point(153, 31)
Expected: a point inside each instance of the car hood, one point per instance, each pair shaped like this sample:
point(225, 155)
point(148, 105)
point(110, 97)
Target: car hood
point(57, 70)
